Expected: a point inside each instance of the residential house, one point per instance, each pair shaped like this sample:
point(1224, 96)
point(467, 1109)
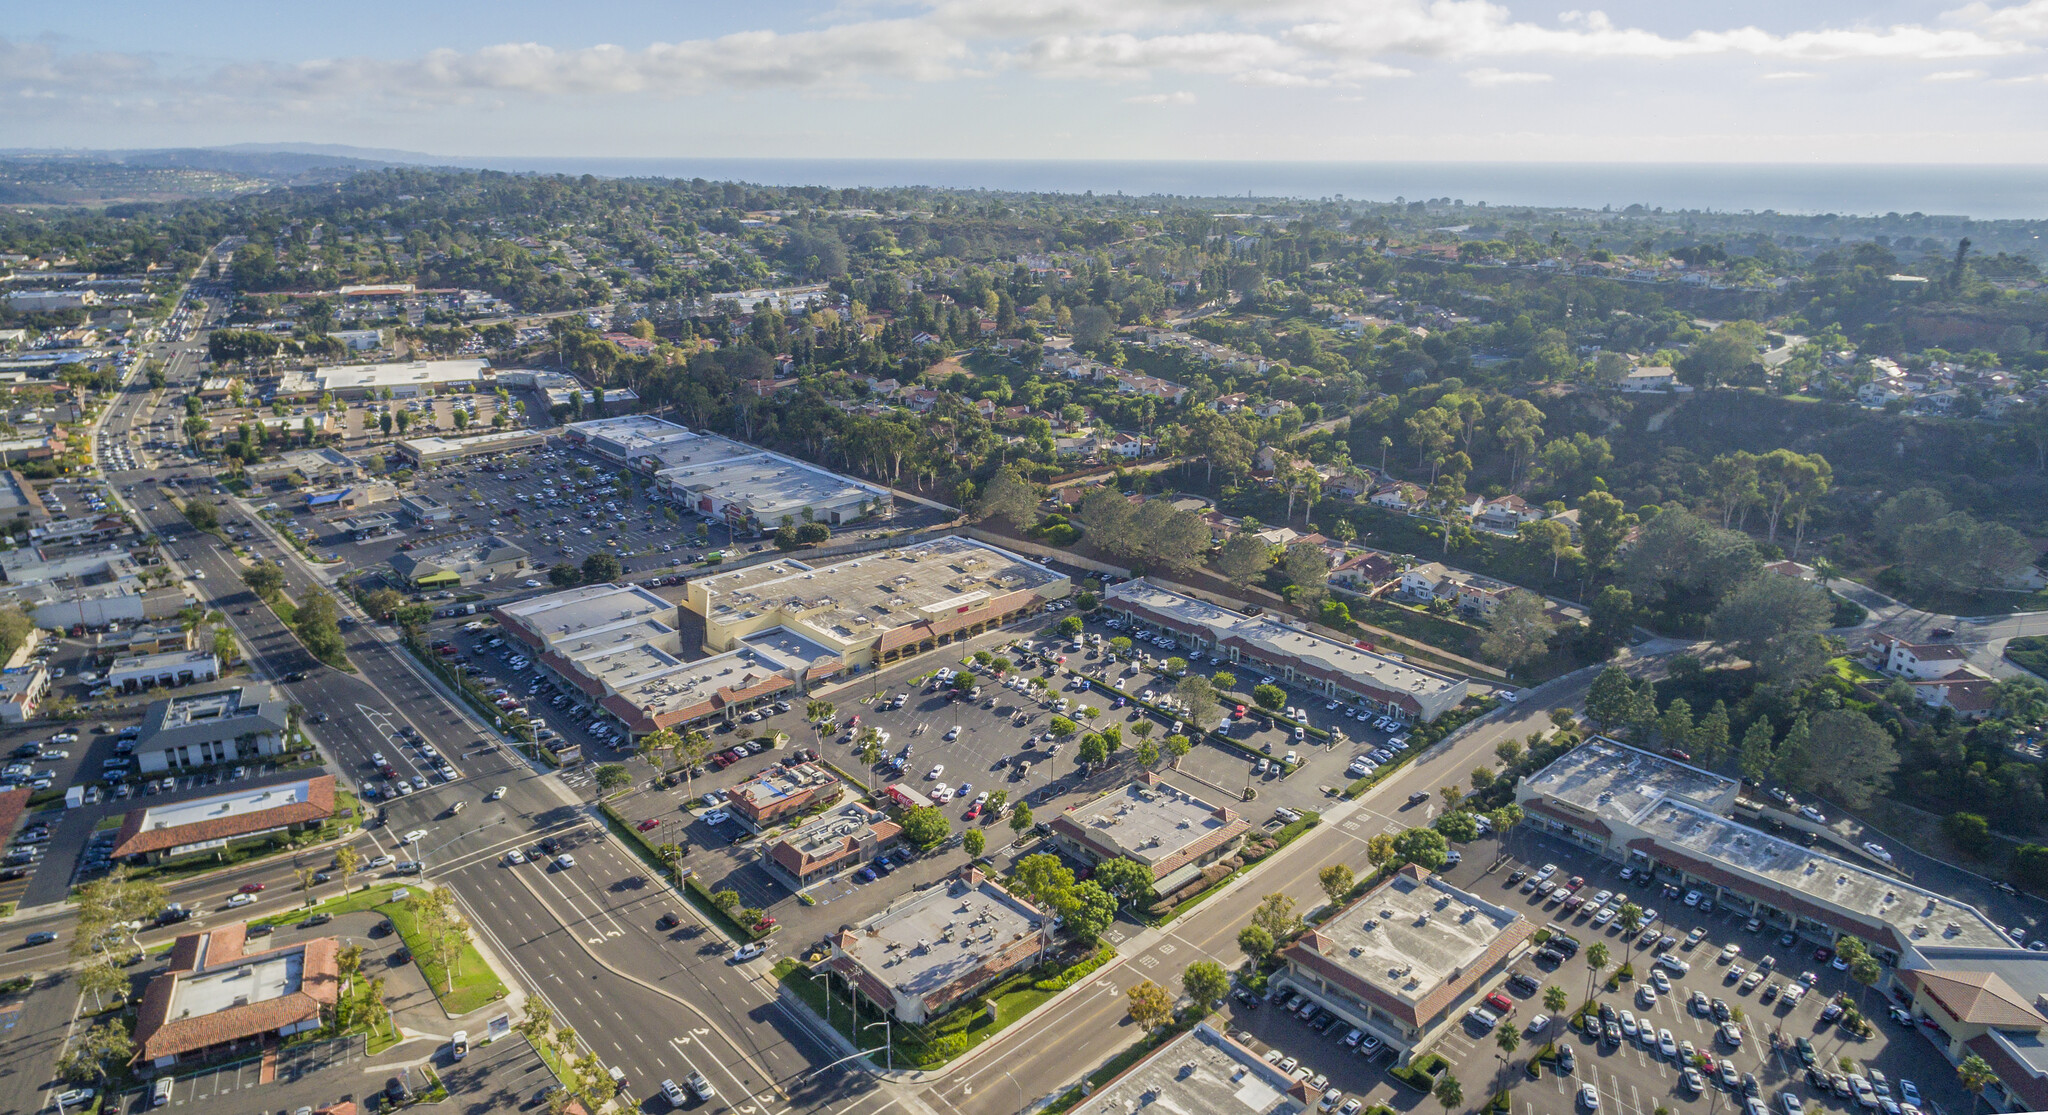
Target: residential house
point(1508, 512)
point(1648, 379)
point(1368, 571)
point(1401, 496)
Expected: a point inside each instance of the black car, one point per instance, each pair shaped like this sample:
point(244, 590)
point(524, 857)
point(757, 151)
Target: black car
point(1246, 999)
point(296, 675)
point(667, 921)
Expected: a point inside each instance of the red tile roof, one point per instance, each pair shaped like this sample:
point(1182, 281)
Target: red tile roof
point(159, 1035)
point(318, 806)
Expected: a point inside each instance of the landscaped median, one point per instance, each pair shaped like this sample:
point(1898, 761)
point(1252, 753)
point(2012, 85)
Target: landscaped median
point(961, 1029)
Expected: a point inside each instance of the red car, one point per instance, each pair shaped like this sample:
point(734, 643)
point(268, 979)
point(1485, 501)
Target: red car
point(251, 888)
point(649, 823)
point(1823, 954)
point(1239, 713)
point(1575, 883)
point(974, 812)
point(1500, 1004)
point(765, 924)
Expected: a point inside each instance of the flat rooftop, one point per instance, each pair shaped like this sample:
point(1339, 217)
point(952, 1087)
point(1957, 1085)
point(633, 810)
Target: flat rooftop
point(779, 784)
point(621, 638)
point(239, 983)
point(682, 451)
point(685, 685)
point(782, 644)
point(585, 618)
point(239, 803)
point(1411, 936)
point(161, 660)
point(767, 485)
point(1616, 782)
point(875, 593)
point(359, 377)
point(201, 708)
point(1201, 1072)
point(13, 493)
point(481, 443)
point(939, 936)
point(1914, 913)
point(1152, 824)
point(628, 435)
point(1275, 639)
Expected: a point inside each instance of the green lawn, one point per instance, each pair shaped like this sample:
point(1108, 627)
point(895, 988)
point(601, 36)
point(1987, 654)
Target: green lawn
point(2030, 653)
point(350, 903)
point(475, 983)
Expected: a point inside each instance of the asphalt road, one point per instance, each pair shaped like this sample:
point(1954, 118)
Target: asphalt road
point(1046, 1054)
point(657, 1006)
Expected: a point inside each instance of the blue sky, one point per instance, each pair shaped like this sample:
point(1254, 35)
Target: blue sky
point(1737, 81)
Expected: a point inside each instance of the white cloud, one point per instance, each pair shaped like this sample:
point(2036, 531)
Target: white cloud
point(1334, 45)
point(1488, 76)
point(1179, 97)
point(2019, 20)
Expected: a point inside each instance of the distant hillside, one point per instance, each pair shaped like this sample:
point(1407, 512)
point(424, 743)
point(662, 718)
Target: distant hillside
point(98, 178)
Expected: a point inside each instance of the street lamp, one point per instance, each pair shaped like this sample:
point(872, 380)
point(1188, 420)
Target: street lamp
point(888, 1041)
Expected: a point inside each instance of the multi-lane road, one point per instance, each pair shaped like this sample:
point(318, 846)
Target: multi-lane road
point(663, 1003)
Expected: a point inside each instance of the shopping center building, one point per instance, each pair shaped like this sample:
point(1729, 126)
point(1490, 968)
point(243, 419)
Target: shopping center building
point(1337, 670)
point(1656, 813)
point(618, 649)
point(878, 608)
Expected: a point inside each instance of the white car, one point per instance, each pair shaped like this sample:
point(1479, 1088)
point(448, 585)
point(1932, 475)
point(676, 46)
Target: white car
point(380, 861)
point(565, 861)
point(515, 856)
point(495, 794)
point(748, 951)
point(933, 774)
point(241, 900)
point(414, 836)
point(717, 817)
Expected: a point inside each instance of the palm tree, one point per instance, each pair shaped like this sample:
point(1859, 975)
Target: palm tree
point(1596, 962)
point(1631, 919)
point(1977, 1075)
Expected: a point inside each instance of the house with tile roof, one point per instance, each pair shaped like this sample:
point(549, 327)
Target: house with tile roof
point(204, 826)
point(217, 998)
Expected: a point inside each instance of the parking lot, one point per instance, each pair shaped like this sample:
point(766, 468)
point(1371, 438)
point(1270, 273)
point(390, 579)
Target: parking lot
point(992, 737)
point(562, 505)
point(1634, 1074)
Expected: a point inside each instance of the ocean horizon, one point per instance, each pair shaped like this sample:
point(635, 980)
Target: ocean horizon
point(1984, 192)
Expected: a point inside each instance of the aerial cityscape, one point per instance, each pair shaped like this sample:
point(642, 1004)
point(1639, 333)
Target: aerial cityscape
point(956, 558)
